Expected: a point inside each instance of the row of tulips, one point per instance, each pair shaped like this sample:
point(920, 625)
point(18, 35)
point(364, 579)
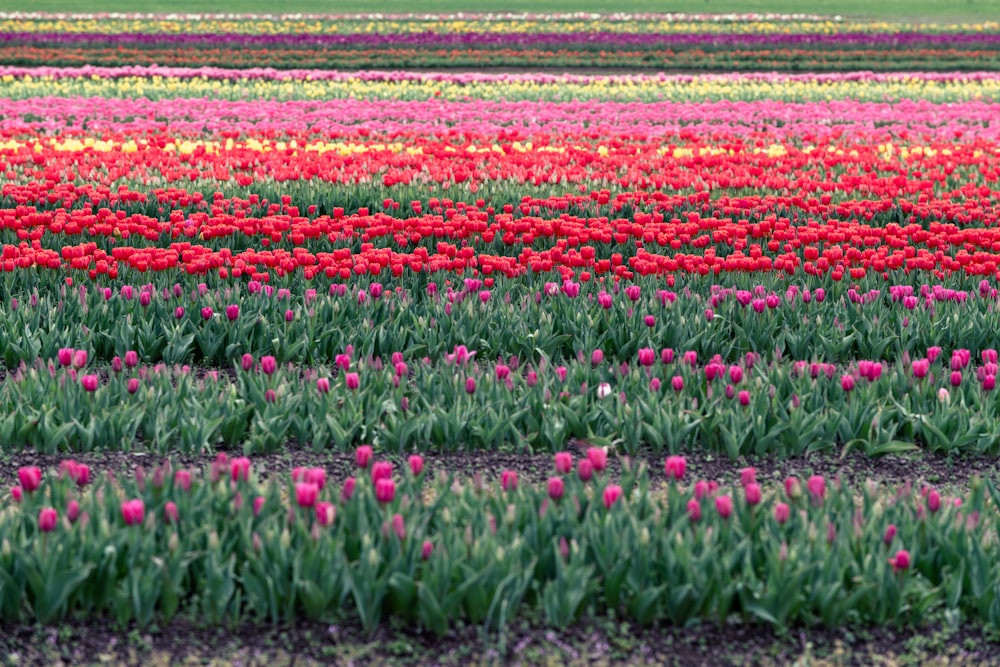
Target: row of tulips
point(661, 399)
point(529, 318)
point(157, 83)
point(418, 546)
point(825, 59)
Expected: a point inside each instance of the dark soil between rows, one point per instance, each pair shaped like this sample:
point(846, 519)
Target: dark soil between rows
point(602, 642)
point(949, 472)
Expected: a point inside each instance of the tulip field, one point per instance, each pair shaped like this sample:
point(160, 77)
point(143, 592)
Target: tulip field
point(253, 301)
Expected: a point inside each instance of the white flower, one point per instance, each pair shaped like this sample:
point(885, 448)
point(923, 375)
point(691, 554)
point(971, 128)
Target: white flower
point(603, 389)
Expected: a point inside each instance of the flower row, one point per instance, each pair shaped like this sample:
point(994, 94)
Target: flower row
point(422, 547)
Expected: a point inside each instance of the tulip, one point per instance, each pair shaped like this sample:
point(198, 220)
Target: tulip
point(305, 494)
point(315, 476)
point(556, 488)
point(694, 510)
point(381, 470)
point(901, 561)
point(753, 493)
point(782, 513)
point(17, 493)
point(47, 519)
point(724, 506)
point(701, 489)
point(323, 385)
point(611, 495)
point(258, 505)
point(675, 467)
point(934, 501)
point(564, 462)
point(890, 534)
point(596, 357)
point(385, 490)
point(240, 469)
point(72, 511)
point(416, 462)
point(598, 458)
point(603, 390)
point(585, 470)
point(748, 476)
point(399, 526)
point(89, 383)
point(470, 386)
point(647, 356)
point(30, 478)
point(347, 492)
point(426, 550)
point(170, 512)
point(246, 361)
point(182, 480)
point(847, 383)
point(268, 365)
point(206, 313)
point(131, 358)
point(793, 489)
point(508, 480)
point(363, 456)
point(232, 312)
point(65, 356)
point(677, 382)
point(817, 487)
point(325, 513)
point(133, 512)
point(352, 380)
point(633, 292)
point(133, 385)
point(744, 398)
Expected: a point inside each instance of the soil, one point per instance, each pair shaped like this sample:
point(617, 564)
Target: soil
point(948, 471)
point(588, 643)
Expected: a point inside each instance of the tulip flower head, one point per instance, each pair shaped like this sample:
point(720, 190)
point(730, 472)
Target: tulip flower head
point(47, 519)
point(675, 467)
point(611, 495)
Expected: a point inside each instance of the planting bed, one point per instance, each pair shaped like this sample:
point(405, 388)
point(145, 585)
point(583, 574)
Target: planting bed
point(397, 363)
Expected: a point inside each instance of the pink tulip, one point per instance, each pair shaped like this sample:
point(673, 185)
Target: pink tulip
point(782, 513)
point(564, 462)
point(232, 312)
point(65, 356)
point(793, 489)
point(847, 382)
point(470, 386)
point(753, 493)
point(133, 385)
point(508, 480)
point(647, 356)
point(744, 398)
point(399, 526)
point(363, 456)
point(170, 512)
point(30, 478)
point(385, 490)
point(72, 511)
point(131, 359)
point(890, 534)
point(306, 494)
point(47, 519)
point(598, 458)
point(268, 365)
point(89, 383)
point(934, 501)
point(677, 382)
point(426, 550)
point(182, 480)
point(556, 488)
point(323, 385)
point(206, 313)
point(748, 476)
point(596, 357)
point(347, 492)
point(701, 489)
point(17, 493)
point(694, 510)
point(133, 512)
point(315, 476)
point(352, 380)
point(675, 467)
point(79, 358)
point(585, 470)
point(611, 495)
point(240, 469)
point(817, 487)
point(724, 506)
point(416, 462)
point(325, 513)
point(258, 505)
point(381, 470)
point(901, 561)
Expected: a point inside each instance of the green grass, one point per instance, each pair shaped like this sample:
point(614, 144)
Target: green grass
point(935, 10)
